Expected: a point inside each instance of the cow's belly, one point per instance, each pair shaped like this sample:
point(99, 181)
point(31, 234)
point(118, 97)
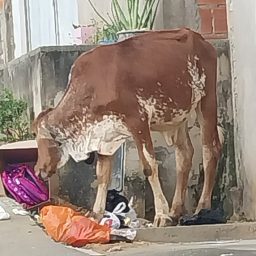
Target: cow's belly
point(104, 137)
point(161, 125)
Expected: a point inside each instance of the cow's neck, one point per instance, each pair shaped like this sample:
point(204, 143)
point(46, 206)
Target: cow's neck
point(65, 124)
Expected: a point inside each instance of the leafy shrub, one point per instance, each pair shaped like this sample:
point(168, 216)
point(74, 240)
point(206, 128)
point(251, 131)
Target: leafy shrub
point(14, 122)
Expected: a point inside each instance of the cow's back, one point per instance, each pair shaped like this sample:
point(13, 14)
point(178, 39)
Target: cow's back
point(153, 67)
point(156, 68)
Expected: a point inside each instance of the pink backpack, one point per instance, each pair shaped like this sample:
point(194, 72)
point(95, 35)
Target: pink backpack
point(24, 186)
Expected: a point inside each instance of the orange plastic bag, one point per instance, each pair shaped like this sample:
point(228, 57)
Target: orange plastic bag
point(67, 226)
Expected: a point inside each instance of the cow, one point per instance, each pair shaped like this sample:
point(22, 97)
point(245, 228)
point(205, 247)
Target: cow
point(150, 82)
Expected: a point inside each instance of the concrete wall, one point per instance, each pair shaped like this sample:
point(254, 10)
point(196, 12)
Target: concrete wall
point(41, 77)
point(181, 13)
point(242, 24)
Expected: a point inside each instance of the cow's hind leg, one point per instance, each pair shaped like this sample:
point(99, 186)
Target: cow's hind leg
point(142, 138)
point(211, 144)
point(103, 171)
point(179, 137)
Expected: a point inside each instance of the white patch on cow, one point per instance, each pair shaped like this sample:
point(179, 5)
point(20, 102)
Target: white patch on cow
point(156, 113)
point(148, 157)
point(105, 137)
point(197, 82)
point(147, 105)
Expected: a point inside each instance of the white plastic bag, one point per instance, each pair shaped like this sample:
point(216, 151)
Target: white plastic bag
point(111, 220)
point(3, 214)
point(127, 233)
point(121, 207)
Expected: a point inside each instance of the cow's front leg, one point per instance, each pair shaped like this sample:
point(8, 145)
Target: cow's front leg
point(142, 137)
point(103, 171)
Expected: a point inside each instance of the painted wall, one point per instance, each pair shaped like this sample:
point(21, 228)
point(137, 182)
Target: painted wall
point(242, 32)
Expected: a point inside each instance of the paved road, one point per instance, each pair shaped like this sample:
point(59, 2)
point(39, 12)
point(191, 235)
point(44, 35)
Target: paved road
point(232, 248)
point(21, 237)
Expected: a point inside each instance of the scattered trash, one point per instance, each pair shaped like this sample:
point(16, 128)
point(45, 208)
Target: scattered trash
point(3, 214)
point(115, 249)
point(65, 225)
point(142, 223)
point(114, 199)
point(56, 200)
point(23, 185)
point(129, 234)
point(111, 220)
point(204, 217)
point(20, 212)
point(119, 212)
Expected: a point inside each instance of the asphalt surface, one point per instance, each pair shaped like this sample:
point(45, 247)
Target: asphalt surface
point(19, 236)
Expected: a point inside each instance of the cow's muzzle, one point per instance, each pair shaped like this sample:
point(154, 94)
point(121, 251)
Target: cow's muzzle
point(42, 175)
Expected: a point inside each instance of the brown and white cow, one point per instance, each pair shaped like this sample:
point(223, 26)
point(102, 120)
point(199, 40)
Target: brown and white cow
point(150, 82)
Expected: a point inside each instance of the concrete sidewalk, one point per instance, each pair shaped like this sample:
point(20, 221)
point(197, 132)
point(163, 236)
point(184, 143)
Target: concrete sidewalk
point(19, 236)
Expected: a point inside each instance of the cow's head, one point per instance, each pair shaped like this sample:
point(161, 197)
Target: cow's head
point(50, 155)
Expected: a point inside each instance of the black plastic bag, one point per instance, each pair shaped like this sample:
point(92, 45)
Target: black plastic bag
point(204, 217)
point(113, 199)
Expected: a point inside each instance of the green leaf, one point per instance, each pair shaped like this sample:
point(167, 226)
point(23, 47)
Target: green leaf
point(120, 14)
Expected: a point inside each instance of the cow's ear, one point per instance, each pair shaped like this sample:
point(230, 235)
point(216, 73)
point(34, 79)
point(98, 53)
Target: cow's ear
point(45, 133)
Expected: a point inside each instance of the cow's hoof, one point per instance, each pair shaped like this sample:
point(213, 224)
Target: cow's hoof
point(163, 220)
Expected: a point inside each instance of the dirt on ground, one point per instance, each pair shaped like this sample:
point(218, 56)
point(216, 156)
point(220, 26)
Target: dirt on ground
point(115, 247)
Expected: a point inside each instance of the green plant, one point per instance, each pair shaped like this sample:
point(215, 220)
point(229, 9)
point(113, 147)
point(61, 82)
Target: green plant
point(103, 32)
point(14, 124)
point(133, 17)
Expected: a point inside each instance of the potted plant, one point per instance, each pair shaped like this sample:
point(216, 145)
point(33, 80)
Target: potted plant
point(137, 17)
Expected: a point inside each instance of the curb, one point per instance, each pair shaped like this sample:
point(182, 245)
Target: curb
point(186, 234)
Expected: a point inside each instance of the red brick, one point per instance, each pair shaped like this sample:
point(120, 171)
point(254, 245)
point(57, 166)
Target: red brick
point(211, 2)
point(220, 20)
point(215, 36)
point(206, 21)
